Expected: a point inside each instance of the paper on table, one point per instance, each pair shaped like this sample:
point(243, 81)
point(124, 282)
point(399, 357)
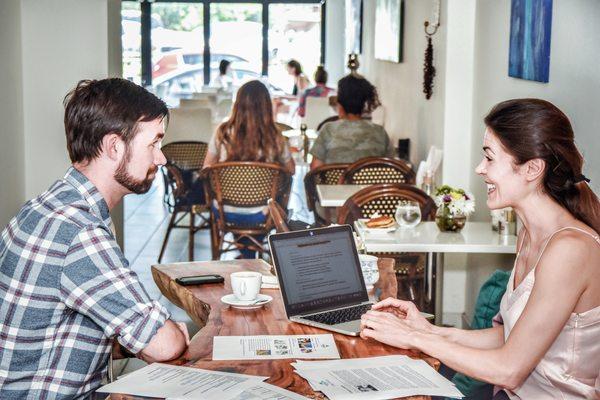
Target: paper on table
point(264, 391)
point(269, 282)
point(375, 378)
point(274, 347)
point(162, 380)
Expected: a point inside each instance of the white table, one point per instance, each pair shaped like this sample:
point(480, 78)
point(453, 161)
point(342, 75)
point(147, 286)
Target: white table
point(476, 237)
point(293, 133)
point(336, 195)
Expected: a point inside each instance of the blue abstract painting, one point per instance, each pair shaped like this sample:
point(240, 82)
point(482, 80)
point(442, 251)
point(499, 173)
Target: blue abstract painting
point(530, 30)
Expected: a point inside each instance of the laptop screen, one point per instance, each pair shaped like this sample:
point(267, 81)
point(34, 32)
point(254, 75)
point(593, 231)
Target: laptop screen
point(318, 269)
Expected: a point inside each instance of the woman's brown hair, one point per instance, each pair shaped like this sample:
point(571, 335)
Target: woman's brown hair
point(250, 133)
point(534, 128)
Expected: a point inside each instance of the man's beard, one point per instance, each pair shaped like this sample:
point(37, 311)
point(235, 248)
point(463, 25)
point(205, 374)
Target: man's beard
point(128, 181)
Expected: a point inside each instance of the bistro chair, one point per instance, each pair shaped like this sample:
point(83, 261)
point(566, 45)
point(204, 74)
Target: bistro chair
point(384, 199)
point(278, 216)
point(373, 170)
point(328, 174)
point(184, 192)
point(283, 127)
point(326, 120)
point(242, 184)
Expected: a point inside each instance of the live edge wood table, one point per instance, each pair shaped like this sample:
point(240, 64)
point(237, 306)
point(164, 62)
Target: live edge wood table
point(203, 305)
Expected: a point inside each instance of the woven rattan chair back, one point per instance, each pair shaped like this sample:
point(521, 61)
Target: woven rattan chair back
point(384, 199)
point(373, 170)
point(246, 184)
point(328, 174)
point(185, 155)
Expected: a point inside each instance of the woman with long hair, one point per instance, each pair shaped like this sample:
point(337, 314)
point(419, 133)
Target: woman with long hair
point(249, 134)
point(545, 342)
point(301, 82)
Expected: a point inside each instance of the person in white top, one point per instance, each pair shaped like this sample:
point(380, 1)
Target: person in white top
point(225, 80)
point(545, 343)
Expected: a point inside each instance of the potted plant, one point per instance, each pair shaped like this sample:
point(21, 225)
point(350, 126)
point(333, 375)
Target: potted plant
point(454, 205)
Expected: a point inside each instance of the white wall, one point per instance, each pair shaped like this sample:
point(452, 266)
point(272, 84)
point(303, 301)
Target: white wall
point(12, 175)
point(407, 113)
point(574, 76)
point(63, 42)
point(335, 56)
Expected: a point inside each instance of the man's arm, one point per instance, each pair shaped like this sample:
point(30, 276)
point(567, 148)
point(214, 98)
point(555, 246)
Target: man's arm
point(97, 282)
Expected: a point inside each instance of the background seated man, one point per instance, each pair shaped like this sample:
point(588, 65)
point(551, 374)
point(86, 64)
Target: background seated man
point(66, 289)
point(351, 138)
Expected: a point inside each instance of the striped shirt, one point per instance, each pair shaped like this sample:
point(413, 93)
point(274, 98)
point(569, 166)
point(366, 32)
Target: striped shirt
point(66, 291)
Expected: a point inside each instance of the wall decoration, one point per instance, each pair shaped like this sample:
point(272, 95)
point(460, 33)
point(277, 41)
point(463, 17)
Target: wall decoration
point(428, 68)
point(354, 17)
point(389, 24)
point(530, 31)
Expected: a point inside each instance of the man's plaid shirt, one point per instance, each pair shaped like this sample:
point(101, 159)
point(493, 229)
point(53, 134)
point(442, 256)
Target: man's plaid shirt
point(66, 292)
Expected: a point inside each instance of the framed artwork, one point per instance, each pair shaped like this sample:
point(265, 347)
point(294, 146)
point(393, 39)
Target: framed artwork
point(389, 25)
point(354, 18)
point(530, 31)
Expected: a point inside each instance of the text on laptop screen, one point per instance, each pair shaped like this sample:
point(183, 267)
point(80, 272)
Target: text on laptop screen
point(319, 270)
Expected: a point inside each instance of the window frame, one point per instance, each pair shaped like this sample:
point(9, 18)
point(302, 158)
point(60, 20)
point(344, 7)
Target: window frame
point(145, 31)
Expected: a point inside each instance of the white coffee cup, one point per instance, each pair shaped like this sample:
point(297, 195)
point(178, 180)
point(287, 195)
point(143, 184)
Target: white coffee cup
point(246, 285)
point(368, 265)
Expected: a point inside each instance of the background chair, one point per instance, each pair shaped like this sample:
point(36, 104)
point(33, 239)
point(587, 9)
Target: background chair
point(189, 124)
point(278, 216)
point(328, 174)
point(184, 192)
point(384, 199)
point(326, 120)
point(283, 127)
point(372, 170)
point(242, 184)
point(317, 109)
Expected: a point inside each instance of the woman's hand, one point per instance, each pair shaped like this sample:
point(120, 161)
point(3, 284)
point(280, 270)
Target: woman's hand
point(405, 310)
point(388, 328)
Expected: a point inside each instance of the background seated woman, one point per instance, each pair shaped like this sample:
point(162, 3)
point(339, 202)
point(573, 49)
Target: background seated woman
point(250, 134)
point(545, 343)
point(351, 138)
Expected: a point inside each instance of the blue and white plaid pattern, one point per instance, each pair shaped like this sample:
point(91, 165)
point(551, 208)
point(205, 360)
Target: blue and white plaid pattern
point(66, 292)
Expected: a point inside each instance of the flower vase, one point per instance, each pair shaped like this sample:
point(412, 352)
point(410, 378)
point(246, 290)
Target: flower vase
point(449, 222)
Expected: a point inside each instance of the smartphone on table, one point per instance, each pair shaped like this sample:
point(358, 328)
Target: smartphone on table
point(199, 279)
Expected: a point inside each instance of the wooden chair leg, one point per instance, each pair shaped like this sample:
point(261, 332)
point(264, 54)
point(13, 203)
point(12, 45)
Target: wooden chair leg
point(192, 231)
point(169, 228)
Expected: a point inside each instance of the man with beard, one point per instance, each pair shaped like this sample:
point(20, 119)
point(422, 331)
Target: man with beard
point(66, 289)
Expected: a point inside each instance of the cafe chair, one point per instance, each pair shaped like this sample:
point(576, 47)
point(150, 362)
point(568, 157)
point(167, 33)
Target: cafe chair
point(373, 170)
point(185, 191)
point(328, 174)
point(242, 184)
point(326, 120)
point(278, 216)
point(281, 127)
point(384, 199)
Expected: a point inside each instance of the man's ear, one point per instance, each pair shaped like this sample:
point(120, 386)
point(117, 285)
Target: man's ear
point(534, 169)
point(113, 146)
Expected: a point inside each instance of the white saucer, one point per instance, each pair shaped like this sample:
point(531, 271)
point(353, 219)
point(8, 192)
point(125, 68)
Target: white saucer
point(260, 301)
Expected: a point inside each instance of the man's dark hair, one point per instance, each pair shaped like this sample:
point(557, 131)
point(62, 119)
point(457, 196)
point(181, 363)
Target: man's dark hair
point(357, 95)
point(321, 75)
point(223, 66)
point(96, 108)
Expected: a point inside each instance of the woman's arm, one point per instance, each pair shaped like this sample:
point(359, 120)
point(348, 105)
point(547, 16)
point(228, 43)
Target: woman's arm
point(549, 306)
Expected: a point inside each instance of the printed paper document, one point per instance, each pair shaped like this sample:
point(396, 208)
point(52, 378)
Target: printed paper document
point(375, 378)
point(274, 347)
point(162, 380)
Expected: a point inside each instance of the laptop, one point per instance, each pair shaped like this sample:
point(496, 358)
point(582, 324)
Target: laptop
point(320, 278)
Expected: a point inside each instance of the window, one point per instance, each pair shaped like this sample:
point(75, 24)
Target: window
point(164, 41)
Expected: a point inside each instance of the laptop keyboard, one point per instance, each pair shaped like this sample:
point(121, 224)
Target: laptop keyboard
point(339, 316)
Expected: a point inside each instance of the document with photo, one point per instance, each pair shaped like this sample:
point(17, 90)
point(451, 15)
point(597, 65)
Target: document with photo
point(375, 378)
point(169, 381)
point(274, 347)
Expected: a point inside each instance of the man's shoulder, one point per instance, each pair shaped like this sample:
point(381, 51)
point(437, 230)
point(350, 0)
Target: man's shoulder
point(60, 211)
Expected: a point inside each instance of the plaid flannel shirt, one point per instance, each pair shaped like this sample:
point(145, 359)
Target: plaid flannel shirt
point(66, 292)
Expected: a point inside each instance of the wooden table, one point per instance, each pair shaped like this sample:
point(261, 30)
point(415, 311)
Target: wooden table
point(203, 305)
point(475, 237)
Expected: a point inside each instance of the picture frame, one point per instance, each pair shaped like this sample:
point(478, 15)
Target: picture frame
point(389, 30)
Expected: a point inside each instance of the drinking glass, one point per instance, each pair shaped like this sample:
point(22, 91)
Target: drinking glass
point(408, 214)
